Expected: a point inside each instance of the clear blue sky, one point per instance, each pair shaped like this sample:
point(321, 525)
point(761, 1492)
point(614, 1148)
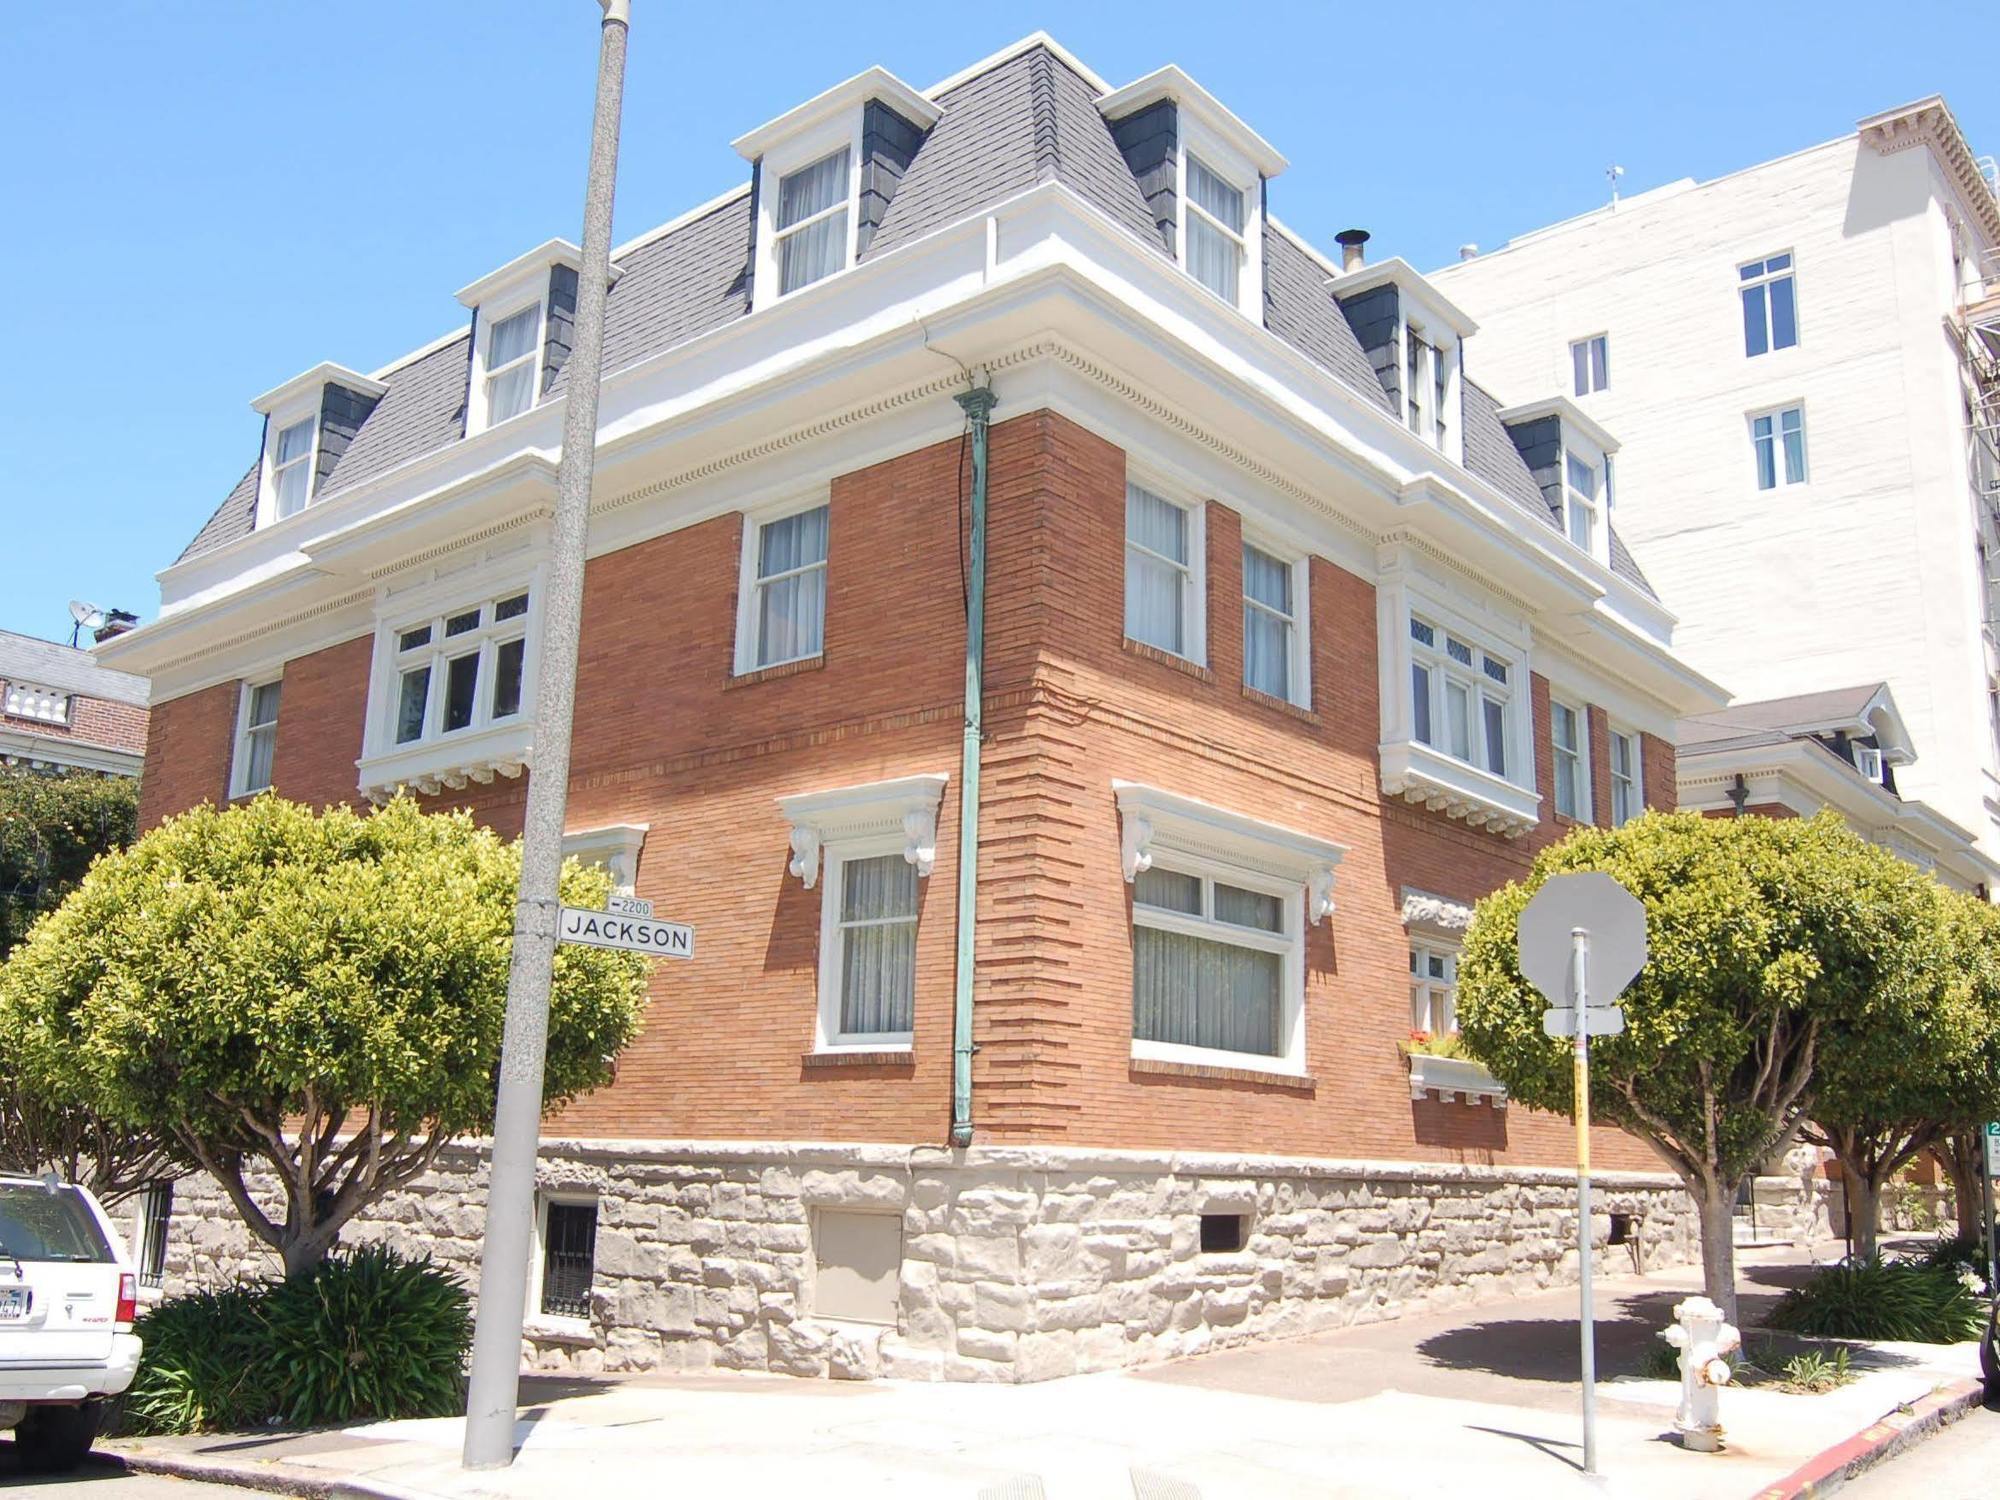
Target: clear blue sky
point(204, 199)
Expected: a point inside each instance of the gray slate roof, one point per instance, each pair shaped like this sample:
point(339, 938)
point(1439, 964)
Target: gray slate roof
point(1029, 118)
point(50, 664)
point(1771, 721)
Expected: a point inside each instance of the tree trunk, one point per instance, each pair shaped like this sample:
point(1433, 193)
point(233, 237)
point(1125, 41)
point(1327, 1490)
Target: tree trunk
point(1958, 1154)
point(1864, 1211)
point(1715, 1201)
point(304, 1249)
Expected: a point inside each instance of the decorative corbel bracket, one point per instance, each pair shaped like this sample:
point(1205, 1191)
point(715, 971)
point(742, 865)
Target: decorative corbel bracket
point(907, 806)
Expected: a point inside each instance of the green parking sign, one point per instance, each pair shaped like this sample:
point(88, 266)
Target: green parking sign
point(1993, 1147)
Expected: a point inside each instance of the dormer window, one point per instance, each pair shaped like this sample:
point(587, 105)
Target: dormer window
point(1413, 336)
point(511, 346)
point(812, 222)
point(523, 317)
point(1569, 456)
point(826, 174)
point(1582, 514)
point(1868, 761)
point(291, 468)
point(1202, 172)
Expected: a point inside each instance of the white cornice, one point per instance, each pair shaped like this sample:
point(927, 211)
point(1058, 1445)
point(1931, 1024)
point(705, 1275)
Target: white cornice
point(906, 806)
point(310, 382)
point(17, 746)
point(1408, 280)
point(875, 83)
point(1171, 82)
point(555, 252)
point(1929, 122)
point(1150, 817)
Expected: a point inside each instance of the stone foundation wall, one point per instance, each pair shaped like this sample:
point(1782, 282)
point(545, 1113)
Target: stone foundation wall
point(1017, 1263)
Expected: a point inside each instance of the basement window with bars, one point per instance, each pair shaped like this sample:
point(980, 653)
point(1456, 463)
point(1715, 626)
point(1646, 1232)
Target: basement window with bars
point(569, 1257)
point(156, 1213)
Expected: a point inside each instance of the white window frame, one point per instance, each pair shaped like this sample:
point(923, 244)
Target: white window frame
point(1480, 687)
point(1232, 167)
point(1590, 364)
point(1788, 272)
point(1579, 716)
point(278, 420)
point(1781, 463)
point(38, 704)
point(1633, 784)
point(1577, 504)
point(1430, 388)
point(828, 1037)
point(309, 461)
point(537, 1258)
point(781, 162)
point(487, 638)
point(1288, 944)
point(748, 617)
point(490, 316)
point(239, 766)
point(1868, 761)
point(1299, 651)
point(1422, 949)
point(1194, 598)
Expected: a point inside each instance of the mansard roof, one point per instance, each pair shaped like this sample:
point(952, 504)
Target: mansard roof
point(1029, 116)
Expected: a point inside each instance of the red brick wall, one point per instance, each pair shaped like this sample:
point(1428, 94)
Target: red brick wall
point(188, 747)
point(668, 737)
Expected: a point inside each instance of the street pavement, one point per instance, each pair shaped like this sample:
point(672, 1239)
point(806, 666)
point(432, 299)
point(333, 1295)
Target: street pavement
point(1960, 1463)
point(104, 1481)
point(1472, 1400)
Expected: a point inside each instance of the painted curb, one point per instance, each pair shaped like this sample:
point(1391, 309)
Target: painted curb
point(1879, 1440)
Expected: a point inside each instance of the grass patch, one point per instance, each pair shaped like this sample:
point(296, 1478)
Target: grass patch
point(1763, 1364)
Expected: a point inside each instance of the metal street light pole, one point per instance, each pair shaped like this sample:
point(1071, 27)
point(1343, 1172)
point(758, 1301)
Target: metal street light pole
point(495, 1384)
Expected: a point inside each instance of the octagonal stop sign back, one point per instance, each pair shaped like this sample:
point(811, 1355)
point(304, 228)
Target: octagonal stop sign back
point(1615, 920)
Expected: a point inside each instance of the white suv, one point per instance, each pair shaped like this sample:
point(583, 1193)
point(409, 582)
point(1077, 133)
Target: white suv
point(68, 1295)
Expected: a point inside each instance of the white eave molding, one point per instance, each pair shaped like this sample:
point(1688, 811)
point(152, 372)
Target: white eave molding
point(459, 760)
point(1453, 1078)
point(1929, 122)
point(1151, 818)
point(907, 805)
point(616, 847)
point(1435, 916)
point(876, 83)
point(311, 382)
point(1430, 304)
point(555, 252)
point(1440, 783)
point(1172, 83)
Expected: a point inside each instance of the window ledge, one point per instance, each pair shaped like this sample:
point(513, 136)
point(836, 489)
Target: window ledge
point(1279, 705)
point(452, 762)
point(881, 1057)
point(782, 669)
point(547, 1330)
point(1159, 1067)
point(1454, 1077)
point(1420, 775)
point(1168, 659)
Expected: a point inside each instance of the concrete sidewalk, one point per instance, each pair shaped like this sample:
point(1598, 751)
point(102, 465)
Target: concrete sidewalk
point(1479, 1400)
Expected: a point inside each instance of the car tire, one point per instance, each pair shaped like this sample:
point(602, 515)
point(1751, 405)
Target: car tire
point(55, 1439)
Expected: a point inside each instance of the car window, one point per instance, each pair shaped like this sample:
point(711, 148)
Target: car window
point(38, 1224)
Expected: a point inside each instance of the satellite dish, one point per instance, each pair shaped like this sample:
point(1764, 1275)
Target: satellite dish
point(88, 615)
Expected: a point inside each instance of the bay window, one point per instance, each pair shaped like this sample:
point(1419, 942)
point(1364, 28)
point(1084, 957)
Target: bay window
point(459, 670)
point(783, 618)
point(1162, 576)
point(1461, 697)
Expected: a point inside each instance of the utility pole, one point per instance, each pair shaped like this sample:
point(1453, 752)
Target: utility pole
point(495, 1386)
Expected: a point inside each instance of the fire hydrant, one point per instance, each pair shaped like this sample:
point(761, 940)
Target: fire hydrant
point(1703, 1338)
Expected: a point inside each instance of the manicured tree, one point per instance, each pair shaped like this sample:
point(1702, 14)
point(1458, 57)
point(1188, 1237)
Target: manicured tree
point(1765, 935)
point(1909, 1075)
point(319, 997)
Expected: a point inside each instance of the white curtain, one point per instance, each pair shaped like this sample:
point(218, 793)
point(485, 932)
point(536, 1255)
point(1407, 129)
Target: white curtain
point(263, 735)
point(1267, 632)
point(1156, 577)
point(1200, 993)
point(791, 572)
point(878, 955)
point(1213, 257)
point(820, 248)
point(511, 392)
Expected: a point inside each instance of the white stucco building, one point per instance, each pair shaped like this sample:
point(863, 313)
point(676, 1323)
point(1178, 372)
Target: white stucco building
point(1799, 360)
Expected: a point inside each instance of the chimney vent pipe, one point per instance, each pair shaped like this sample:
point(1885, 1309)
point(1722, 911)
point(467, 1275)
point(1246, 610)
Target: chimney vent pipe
point(1350, 241)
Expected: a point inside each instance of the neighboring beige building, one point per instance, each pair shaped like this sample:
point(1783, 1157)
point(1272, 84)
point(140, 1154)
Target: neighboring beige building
point(1801, 362)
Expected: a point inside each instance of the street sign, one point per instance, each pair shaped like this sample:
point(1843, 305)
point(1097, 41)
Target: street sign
point(1613, 917)
point(627, 906)
point(1993, 1147)
point(1598, 1020)
point(603, 929)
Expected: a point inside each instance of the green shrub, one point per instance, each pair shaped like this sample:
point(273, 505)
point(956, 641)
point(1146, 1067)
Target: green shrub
point(1878, 1299)
point(1814, 1372)
point(201, 1369)
point(368, 1334)
point(1956, 1253)
point(363, 1335)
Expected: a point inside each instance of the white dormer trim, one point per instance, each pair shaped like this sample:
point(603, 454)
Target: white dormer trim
point(1574, 419)
point(504, 280)
point(1592, 445)
point(1430, 305)
point(283, 407)
point(521, 283)
point(1150, 818)
point(1209, 112)
point(311, 384)
point(842, 98)
point(907, 806)
point(1426, 315)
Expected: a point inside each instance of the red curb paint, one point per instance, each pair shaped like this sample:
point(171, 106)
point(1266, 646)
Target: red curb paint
point(1856, 1452)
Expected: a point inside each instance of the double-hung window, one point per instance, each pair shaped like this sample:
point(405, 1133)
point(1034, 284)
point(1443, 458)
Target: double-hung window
point(1433, 989)
point(1779, 440)
point(1770, 306)
point(1273, 643)
point(1569, 737)
point(512, 346)
point(1590, 364)
point(786, 591)
point(256, 736)
point(1628, 794)
point(1461, 697)
point(1417, 356)
point(463, 669)
point(1210, 961)
point(1582, 500)
point(1162, 586)
point(1216, 215)
point(812, 222)
point(291, 468)
point(871, 912)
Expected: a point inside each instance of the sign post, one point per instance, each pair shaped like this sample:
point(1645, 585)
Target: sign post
point(1991, 1139)
point(1582, 941)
